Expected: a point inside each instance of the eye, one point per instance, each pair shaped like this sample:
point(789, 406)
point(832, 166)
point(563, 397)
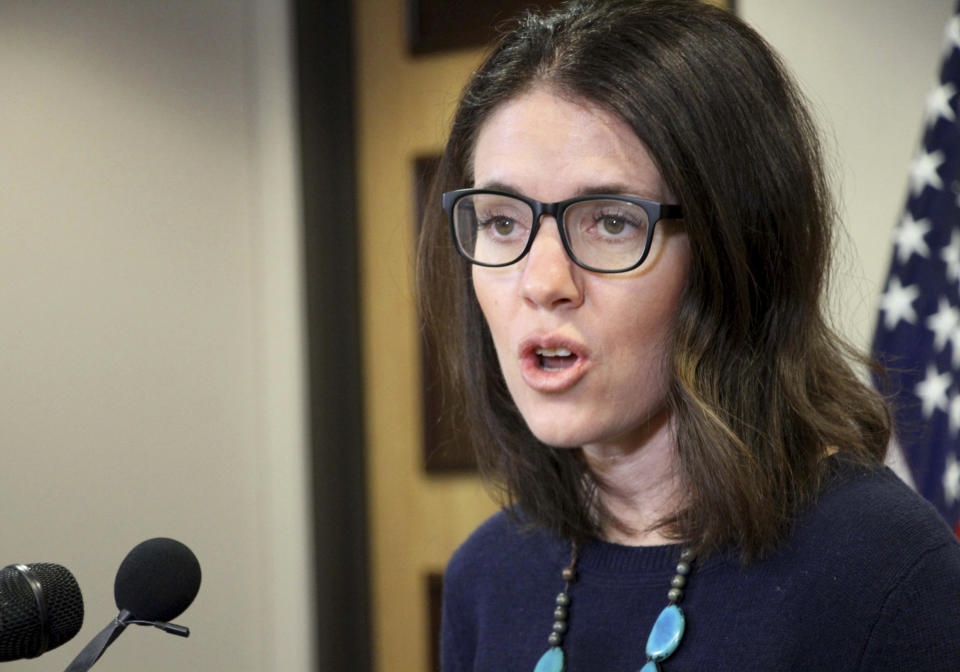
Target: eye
point(615, 225)
point(502, 226)
point(612, 224)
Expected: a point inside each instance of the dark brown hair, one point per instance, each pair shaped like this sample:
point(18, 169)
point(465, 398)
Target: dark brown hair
point(762, 386)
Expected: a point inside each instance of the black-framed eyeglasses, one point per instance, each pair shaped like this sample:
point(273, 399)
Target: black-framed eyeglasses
point(600, 232)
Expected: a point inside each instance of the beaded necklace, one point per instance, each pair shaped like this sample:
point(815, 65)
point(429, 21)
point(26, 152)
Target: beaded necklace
point(664, 637)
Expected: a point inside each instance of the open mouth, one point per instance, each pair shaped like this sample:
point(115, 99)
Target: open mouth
point(555, 359)
point(552, 364)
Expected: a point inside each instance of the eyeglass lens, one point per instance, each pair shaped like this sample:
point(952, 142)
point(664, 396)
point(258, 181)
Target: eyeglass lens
point(607, 234)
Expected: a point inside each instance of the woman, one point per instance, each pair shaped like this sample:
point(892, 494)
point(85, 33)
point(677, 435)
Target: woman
point(630, 313)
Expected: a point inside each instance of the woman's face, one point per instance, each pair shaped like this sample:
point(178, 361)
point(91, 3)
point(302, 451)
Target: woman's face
point(584, 354)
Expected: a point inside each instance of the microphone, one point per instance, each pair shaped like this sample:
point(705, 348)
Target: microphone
point(40, 608)
point(157, 580)
point(155, 583)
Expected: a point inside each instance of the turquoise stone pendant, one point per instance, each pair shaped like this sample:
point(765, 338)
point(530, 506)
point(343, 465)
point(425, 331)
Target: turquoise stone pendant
point(551, 661)
point(666, 634)
point(664, 637)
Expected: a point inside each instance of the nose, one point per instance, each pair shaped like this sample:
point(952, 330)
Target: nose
point(550, 278)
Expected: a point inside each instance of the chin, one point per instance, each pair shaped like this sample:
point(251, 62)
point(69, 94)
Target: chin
point(560, 437)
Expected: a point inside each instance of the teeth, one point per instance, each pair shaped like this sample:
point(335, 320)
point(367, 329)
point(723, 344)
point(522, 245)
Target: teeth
point(553, 352)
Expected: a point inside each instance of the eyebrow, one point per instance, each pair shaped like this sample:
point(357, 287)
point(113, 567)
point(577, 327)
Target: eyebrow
point(612, 188)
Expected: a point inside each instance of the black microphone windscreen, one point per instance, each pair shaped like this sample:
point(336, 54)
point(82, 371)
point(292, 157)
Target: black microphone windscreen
point(157, 580)
point(22, 627)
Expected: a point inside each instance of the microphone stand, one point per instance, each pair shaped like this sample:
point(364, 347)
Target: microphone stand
point(91, 652)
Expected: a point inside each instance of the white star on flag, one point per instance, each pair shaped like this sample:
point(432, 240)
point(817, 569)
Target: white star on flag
point(951, 256)
point(909, 237)
point(952, 34)
point(943, 323)
point(897, 303)
point(938, 103)
point(951, 479)
point(955, 342)
point(923, 171)
point(954, 414)
point(932, 391)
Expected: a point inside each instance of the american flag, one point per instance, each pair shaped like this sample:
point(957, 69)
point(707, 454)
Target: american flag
point(918, 328)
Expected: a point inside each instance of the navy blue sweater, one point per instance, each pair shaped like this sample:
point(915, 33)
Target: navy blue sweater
point(869, 579)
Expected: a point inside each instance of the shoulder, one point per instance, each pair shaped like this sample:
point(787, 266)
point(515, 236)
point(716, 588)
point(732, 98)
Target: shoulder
point(496, 546)
point(503, 558)
point(870, 572)
point(489, 579)
point(918, 627)
point(908, 562)
point(865, 537)
point(892, 558)
point(870, 510)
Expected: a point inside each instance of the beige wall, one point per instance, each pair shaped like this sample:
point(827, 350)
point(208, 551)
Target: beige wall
point(150, 365)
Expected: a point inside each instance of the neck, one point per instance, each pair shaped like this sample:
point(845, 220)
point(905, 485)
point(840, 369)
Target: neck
point(637, 483)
